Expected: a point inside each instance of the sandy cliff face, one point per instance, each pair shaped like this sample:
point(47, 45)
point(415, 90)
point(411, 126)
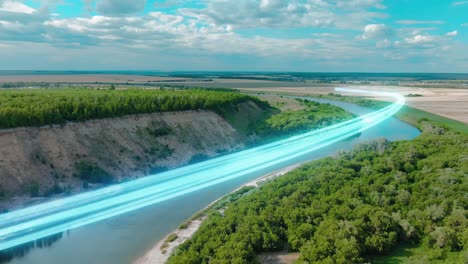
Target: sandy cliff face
point(128, 147)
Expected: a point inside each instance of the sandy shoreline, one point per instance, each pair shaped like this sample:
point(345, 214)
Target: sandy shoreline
point(159, 254)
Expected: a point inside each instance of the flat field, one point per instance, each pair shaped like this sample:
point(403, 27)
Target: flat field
point(448, 102)
point(436, 98)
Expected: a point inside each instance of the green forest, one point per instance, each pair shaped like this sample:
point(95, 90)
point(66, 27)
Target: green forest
point(314, 116)
point(349, 209)
point(37, 107)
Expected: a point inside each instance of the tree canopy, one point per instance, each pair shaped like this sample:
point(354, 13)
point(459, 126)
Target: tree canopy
point(314, 116)
point(346, 209)
point(36, 107)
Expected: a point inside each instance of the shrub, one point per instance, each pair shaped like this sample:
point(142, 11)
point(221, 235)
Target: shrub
point(171, 238)
point(90, 172)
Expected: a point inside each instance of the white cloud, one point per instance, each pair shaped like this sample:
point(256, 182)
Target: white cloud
point(359, 4)
point(326, 35)
point(216, 30)
point(265, 4)
point(420, 22)
point(120, 7)
point(16, 7)
point(459, 3)
point(420, 39)
point(172, 35)
point(287, 14)
point(265, 14)
point(175, 3)
point(452, 33)
point(376, 31)
point(386, 43)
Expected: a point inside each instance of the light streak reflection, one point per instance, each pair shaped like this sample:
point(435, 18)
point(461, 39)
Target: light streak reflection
point(35, 222)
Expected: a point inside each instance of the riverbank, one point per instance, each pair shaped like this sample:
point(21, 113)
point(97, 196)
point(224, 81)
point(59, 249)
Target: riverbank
point(155, 254)
point(138, 231)
point(446, 102)
point(163, 249)
point(339, 210)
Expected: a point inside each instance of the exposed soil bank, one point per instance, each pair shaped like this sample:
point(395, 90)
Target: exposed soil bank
point(42, 161)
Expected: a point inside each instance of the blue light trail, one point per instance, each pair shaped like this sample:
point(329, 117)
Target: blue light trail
point(35, 222)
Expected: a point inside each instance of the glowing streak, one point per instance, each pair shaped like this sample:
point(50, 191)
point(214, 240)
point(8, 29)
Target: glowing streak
point(28, 224)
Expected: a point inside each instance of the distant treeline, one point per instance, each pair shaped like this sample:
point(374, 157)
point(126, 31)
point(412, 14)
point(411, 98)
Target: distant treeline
point(348, 209)
point(181, 87)
point(27, 84)
point(36, 107)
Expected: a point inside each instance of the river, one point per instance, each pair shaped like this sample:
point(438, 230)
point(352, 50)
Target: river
point(122, 239)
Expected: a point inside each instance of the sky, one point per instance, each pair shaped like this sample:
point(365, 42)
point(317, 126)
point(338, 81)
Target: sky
point(235, 35)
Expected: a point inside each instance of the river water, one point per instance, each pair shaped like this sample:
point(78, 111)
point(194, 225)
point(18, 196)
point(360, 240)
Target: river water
point(122, 239)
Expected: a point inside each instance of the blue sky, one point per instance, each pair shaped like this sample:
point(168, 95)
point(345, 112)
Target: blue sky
point(256, 35)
